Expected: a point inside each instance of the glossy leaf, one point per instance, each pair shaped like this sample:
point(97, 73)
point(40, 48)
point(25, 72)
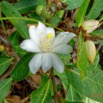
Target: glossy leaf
point(95, 10)
point(82, 57)
point(81, 12)
point(21, 69)
point(72, 4)
point(4, 88)
point(24, 6)
point(10, 11)
point(42, 93)
point(4, 64)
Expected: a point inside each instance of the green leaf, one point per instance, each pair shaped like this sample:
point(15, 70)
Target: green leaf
point(63, 78)
point(42, 2)
point(73, 95)
point(42, 93)
point(21, 52)
point(74, 80)
point(55, 20)
point(21, 69)
point(14, 39)
point(4, 88)
point(81, 12)
point(95, 10)
point(10, 11)
point(82, 57)
point(94, 80)
point(91, 86)
point(24, 6)
point(72, 4)
point(93, 66)
point(4, 64)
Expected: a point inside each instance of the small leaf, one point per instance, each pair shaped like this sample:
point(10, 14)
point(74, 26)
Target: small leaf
point(21, 69)
point(4, 64)
point(4, 88)
point(55, 20)
point(10, 11)
point(82, 57)
point(14, 39)
point(81, 12)
point(24, 6)
point(21, 52)
point(72, 4)
point(42, 93)
point(95, 10)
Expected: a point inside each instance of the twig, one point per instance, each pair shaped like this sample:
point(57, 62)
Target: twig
point(9, 44)
point(54, 87)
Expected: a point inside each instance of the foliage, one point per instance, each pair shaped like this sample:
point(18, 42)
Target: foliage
point(81, 80)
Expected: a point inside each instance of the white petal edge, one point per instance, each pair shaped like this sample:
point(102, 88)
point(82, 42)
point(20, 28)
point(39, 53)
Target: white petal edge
point(30, 46)
point(63, 49)
point(41, 29)
point(63, 38)
point(35, 63)
point(33, 34)
point(46, 62)
point(58, 65)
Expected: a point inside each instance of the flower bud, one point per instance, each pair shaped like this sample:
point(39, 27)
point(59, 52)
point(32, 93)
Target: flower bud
point(46, 13)
point(91, 50)
point(39, 9)
point(1, 47)
point(90, 25)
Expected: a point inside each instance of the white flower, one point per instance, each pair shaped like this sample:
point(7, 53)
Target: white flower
point(43, 41)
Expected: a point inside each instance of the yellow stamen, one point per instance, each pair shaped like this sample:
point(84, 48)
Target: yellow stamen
point(49, 36)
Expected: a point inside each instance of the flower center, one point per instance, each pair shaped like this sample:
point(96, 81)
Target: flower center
point(45, 43)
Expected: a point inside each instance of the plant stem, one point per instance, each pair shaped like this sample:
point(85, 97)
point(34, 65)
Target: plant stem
point(54, 87)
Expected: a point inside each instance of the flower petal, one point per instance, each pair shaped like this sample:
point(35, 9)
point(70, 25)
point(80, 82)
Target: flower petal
point(57, 63)
point(33, 34)
point(63, 38)
point(35, 63)
point(50, 30)
point(63, 49)
point(30, 46)
point(47, 62)
point(41, 29)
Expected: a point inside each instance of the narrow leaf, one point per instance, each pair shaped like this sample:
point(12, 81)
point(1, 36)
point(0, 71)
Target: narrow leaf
point(81, 12)
point(82, 57)
point(21, 70)
point(4, 88)
point(72, 4)
point(95, 10)
point(10, 11)
point(24, 6)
